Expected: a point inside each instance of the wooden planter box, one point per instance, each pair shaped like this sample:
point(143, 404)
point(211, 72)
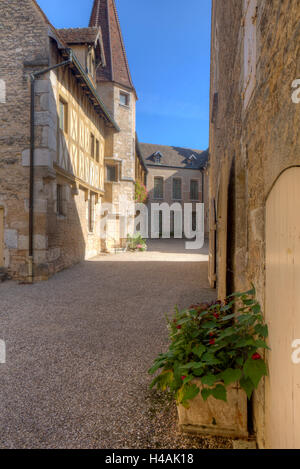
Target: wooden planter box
point(214, 417)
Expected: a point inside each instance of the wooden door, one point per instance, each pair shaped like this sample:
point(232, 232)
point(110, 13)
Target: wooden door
point(1, 237)
point(282, 395)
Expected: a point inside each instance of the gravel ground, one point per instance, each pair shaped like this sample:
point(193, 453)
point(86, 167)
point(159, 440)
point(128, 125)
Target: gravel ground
point(79, 346)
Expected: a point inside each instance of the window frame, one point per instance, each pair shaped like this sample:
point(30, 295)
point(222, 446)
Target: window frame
point(115, 170)
point(97, 151)
point(127, 98)
point(60, 200)
point(92, 145)
point(173, 187)
point(197, 182)
point(63, 104)
point(92, 212)
point(162, 187)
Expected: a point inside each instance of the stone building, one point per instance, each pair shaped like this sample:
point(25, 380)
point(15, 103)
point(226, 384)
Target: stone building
point(67, 132)
point(254, 188)
point(176, 175)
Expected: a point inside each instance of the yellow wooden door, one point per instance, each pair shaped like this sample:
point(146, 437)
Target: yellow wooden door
point(1, 237)
point(282, 395)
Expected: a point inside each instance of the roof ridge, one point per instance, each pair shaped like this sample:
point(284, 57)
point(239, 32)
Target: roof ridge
point(172, 146)
point(85, 27)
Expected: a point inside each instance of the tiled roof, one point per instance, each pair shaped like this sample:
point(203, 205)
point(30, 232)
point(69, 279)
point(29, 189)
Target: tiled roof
point(104, 14)
point(178, 157)
point(79, 35)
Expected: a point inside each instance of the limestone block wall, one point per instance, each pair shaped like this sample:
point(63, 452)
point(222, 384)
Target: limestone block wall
point(24, 48)
point(253, 136)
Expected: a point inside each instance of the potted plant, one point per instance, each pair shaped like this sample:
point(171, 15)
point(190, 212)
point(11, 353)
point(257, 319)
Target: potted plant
point(136, 243)
point(214, 363)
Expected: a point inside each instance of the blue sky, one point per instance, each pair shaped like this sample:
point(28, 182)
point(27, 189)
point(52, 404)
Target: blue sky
point(168, 49)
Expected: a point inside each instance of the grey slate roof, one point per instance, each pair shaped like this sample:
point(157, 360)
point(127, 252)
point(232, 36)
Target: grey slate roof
point(174, 156)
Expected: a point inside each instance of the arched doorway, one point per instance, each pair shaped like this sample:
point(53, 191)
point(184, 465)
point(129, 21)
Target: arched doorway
point(282, 395)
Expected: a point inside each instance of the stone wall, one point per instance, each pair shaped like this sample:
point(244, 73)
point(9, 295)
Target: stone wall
point(254, 136)
point(24, 48)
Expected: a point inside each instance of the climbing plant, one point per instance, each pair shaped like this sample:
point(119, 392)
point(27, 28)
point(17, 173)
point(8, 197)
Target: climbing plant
point(218, 343)
point(141, 193)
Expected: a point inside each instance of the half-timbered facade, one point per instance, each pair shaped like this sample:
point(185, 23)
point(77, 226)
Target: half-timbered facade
point(75, 152)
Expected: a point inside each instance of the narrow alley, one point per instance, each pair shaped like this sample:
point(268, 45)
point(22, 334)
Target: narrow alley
point(79, 346)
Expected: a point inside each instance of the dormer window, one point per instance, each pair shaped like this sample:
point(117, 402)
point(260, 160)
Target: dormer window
point(157, 157)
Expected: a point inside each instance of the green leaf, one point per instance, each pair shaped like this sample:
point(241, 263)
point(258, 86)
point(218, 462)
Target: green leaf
point(247, 385)
point(205, 393)
point(262, 330)
point(208, 325)
point(255, 370)
point(199, 350)
point(261, 344)
point(209, 380)
point(163, 381)
point(229, 316)
point(209, 359)
point(219, 392)
point(192, 365)
point(245, 343)
point(188, 392)
point(256, 308)
point(231, 376)
point(157, 365)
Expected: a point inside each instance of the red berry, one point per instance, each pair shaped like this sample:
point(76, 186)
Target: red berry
point(211, 334)
point(183, 378)
point(178, 327)
point(256, 356)
point(212, 341)
point(216, 315)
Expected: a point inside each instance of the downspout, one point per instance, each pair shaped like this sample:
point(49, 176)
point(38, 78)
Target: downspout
point(33, 77)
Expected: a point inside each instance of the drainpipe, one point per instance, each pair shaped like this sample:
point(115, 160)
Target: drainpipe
point(33, 77)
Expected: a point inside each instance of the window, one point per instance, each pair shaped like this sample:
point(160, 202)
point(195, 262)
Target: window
point(92, 212)
point(194, 190)
point(124, 98)
point(97, 151)
point(63, 115)
point(111, 173)
point(92, 145)
point(59, 200)
point(158, 188)
point(176, 189)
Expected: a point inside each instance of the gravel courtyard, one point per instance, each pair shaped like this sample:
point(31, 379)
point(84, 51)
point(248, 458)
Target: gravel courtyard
point(79, 346)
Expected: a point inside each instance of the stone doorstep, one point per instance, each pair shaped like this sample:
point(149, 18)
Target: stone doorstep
point(244, 444)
